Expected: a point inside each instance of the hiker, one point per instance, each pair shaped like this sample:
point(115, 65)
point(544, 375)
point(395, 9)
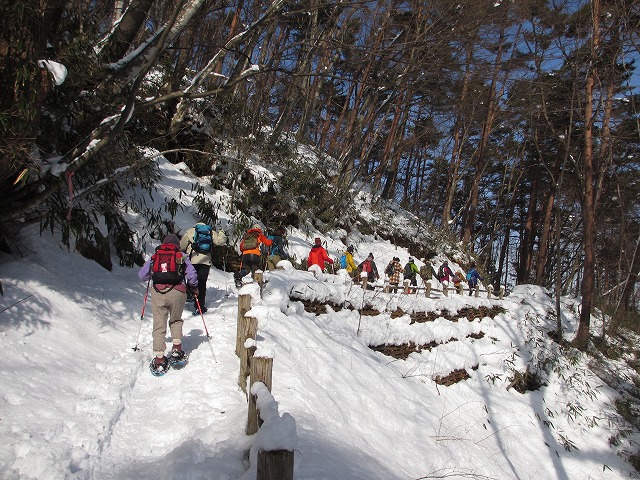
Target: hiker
point(445, 274)
point(277, 251)
point(457, 279)
point(346, 262)
point(250, 248)
point(369, 266)
point(411, 273)
point(168, 268)
point(426, 271)
point(393, 270)
point(472, 277)
point(318, 255)
point(197, 242)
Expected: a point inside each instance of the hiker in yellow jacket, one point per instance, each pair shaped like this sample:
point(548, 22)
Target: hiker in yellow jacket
point(351, 267)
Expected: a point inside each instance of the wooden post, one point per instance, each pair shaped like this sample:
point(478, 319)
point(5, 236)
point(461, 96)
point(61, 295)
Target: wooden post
point(460, 289)
point(445, 290)
point(275, 465)
point(363, 278)
point(406, 287)
point(259, 277)
point(477, 291)
point(244, 305)
point(489, 289)
point(501, 293)
point(427, 289)
point(249, 330)
point(261, 371)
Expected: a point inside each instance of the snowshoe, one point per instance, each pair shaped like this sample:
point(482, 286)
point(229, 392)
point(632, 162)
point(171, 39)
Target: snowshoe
point(159, 369)
point(178, 359)
point(196, 312)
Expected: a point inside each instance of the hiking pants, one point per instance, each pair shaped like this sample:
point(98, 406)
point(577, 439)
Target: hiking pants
point(167, 306)
point(272, 261)
point(203, 273)
point(250, 263)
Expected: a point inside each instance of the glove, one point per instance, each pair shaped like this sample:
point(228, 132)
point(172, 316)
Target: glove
point(194, 291)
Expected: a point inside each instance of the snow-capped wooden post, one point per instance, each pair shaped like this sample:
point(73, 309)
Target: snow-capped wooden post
point(445, 290)
point(261, 371)
point(489, 290)
point(501, 293)
point(276, 440)
point(249, 331)
point(259, 277)
point(406, 286)
point(427, 289)
point(244, 305)
point(477, 290)
point(460, 289)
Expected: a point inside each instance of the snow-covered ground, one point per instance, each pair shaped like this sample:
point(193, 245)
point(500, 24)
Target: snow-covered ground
point(78, 402)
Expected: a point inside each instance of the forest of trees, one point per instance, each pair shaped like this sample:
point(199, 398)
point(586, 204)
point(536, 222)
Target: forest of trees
point(511, 124)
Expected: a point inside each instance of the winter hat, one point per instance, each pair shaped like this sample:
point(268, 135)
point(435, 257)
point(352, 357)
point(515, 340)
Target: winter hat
point(410, 260)
point(350, 249)
point(318, 241)
point(257, 227)
point(171, 238)
point(371, 255)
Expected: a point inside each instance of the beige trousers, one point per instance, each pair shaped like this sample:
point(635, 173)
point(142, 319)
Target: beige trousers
point(167, 306)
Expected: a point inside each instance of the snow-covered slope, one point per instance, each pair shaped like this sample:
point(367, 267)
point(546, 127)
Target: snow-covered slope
point(79, 403)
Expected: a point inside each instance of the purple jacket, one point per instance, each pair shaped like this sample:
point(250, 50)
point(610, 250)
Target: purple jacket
point(190, 275)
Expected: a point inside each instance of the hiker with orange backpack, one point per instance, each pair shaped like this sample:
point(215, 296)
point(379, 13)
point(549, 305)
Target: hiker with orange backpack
point(168, 269)
point(251, 253)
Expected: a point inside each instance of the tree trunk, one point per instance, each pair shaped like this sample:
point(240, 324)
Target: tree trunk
point(589, 202)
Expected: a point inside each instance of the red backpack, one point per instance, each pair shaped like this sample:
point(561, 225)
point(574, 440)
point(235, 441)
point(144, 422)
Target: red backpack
point(167, 265)
point(366, 266)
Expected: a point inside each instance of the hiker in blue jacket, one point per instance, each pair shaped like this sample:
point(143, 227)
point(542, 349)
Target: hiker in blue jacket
point(472, 277)
point(277, 251)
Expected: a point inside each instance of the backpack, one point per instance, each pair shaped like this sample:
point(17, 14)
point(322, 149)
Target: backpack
point(440, 272)
point(366, 266)
point(167, 265)
point(389, 269)
point(408, 271)
point(249, 241)
point(202, 239)
point(343, 261)
point(469, 276)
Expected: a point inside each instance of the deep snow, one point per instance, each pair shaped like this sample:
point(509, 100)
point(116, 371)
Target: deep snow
point(78, 403)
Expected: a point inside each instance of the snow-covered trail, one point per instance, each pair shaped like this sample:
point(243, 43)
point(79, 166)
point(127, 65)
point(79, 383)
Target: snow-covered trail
point(172, 426)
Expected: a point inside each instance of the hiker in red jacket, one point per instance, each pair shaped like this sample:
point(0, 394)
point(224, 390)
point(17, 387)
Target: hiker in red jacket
point(318, 256)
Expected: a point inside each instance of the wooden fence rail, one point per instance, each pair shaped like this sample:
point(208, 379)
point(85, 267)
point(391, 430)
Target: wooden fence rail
point(409, 289)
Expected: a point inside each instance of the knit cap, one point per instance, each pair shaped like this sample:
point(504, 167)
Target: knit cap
point(171, 238)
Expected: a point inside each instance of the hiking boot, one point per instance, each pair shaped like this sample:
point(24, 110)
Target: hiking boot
point(238, 283)
point(159, 366)
point(178, 355)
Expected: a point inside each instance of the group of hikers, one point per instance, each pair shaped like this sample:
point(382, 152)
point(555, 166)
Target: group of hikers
point(394, 270)
point(179, 270)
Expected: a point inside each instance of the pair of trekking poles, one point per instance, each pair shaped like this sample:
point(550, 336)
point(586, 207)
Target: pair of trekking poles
point(144, 304)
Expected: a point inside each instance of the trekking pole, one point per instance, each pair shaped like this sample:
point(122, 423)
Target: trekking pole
point(205, 329)
point(144, 303)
